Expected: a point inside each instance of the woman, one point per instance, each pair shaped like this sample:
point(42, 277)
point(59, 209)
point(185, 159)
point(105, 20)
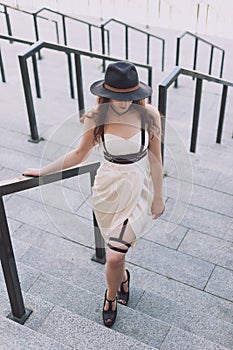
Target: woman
point(128, 185)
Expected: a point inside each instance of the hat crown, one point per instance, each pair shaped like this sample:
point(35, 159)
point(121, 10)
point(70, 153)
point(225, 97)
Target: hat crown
point(121, 75)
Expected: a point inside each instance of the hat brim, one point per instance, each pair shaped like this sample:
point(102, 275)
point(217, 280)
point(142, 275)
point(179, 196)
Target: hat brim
point(141, 93)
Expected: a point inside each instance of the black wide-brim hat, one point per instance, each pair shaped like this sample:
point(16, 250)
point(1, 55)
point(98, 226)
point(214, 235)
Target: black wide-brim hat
point(121, 83)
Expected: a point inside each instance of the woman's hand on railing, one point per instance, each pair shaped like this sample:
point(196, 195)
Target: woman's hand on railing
point(32, 172)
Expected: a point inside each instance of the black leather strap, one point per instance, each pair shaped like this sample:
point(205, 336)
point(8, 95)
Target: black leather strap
point(119, 250)
point(120, 240)
point(127, 158)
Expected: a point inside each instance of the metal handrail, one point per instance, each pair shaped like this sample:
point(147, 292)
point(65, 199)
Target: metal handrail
point(127, 26)
point(197, 39)
point(64, 16)
point(31, 52)
point(18, 312)
point(8, 22)
point(162, 101)
point(34, 62)
point(37, 37)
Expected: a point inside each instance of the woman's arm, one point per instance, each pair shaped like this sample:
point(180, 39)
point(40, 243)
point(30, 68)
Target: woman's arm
point(73, 157)
point(155, 160)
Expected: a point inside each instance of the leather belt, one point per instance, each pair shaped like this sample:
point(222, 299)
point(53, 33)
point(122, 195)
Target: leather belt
point(126, 158)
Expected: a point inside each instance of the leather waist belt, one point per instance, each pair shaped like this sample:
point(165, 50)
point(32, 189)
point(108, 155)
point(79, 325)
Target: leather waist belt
point(126, 158)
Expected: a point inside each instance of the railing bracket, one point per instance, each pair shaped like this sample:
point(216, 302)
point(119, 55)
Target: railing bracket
point(21, 320)
point(99, 260)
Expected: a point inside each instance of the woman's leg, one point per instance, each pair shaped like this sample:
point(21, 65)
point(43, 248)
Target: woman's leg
point(115, 270)
point(115, 263)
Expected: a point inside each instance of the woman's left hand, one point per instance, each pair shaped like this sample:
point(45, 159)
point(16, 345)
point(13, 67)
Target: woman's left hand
point(157, 208)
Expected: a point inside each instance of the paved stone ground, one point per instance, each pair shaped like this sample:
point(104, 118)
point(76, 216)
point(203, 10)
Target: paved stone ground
point(182, 270)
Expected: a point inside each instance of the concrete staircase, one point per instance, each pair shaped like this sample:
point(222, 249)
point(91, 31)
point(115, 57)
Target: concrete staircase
point(182, 280)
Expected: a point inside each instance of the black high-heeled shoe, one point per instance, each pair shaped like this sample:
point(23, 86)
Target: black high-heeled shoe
point(122, 296)
point(109, 314)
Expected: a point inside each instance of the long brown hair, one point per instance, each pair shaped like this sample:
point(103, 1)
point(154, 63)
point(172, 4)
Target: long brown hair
point(100, 114)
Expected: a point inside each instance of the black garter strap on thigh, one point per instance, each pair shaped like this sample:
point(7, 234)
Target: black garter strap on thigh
point(120, 240)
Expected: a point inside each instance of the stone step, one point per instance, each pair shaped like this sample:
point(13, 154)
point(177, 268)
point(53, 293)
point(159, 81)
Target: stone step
point(190, 314)
point(80, 312)
point(64, 330)
point(48, 249)
point(14, 336)
point(43, 321)
point(80, 333)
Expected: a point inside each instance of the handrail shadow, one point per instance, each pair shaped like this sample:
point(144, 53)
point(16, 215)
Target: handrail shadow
point(18, 312)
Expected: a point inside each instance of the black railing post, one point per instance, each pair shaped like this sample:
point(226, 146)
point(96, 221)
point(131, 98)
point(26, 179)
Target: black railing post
point(150, 82)
point(99, 255)
point(8, 22)
point(222, 113)
point(162, 106)
point(195, 55)
point(64, 30)
point(103, 45)
point(57, 32)
point(163, 54)
point(69, 60)
point(177, 58)
point(211, 59)
point(196, 113)
point(126, 42)
point(70, 72)
point(36, 76)
point(90, 37)
point(36, 31)
point(2, 68)
point(222, 63)
point(79, 80)
point(148, 49)
point(108, 41)
point(18, 311)
point(29, 100)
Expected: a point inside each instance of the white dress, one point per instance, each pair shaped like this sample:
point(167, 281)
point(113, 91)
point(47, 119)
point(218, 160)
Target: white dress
point(123, 191)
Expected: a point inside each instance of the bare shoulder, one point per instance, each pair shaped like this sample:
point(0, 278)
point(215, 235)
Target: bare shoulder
point(89, 120)
point(152, 109)
point(154, 113)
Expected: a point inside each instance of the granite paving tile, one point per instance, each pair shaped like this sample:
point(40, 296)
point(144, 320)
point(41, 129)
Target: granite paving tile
point(179, 339)
point(185, 295)
point(201, 176)
point(221, 283)
point(40, 308)
point(84, 302)
point(214, 250)
point(60, 222)
point(224, 183)
point(170, 263)
point(188, 319)
point(13, 225)
point(57, 196)
point(160, 234)
point(14, 336)
point(58, 246)
point(201, 220)
point(205, 198)
point(17, 161)
point(78, 332)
